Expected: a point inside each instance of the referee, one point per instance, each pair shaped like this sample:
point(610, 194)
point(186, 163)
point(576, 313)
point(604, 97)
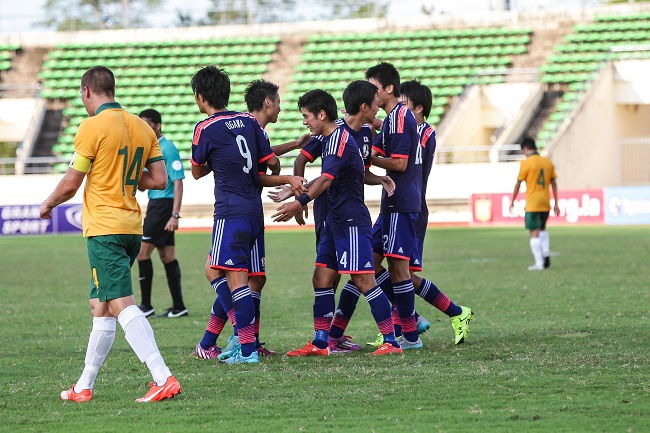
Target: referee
point(160, 223)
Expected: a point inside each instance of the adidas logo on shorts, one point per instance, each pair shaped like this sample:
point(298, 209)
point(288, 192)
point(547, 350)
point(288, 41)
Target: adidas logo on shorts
point(400, 250)
point(368, 265)
point(229, 262)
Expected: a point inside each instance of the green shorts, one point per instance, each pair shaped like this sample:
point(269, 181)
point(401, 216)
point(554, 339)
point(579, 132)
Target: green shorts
point(111, 258)
point(536, 220)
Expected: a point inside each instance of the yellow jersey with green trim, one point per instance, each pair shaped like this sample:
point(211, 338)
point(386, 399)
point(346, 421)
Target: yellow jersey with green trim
point(538, 172)
point(113, 147)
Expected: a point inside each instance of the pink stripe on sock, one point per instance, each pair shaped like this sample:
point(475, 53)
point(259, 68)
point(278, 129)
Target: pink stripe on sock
point(386, 326)
point(441, 302)
point(246, 334)
point(256, 326)
point(215, 325)
point(231, 316)
point(396, 319)
point(322, 323)
point(408, 324)
point(340, 322)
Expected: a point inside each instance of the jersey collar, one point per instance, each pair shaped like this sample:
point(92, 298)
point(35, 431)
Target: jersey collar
point(107, 106)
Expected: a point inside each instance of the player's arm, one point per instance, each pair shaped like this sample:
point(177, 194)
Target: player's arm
point(155, 177)
point(514, 194)
point(64, 191)
point(556, 208)
point(172, 224)
point(281, 149)
point(289, 210)
point(391, 163)
point(294, 182)
point(369, 178)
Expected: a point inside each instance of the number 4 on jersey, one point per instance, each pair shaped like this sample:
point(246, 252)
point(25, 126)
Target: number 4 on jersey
point(540, 179)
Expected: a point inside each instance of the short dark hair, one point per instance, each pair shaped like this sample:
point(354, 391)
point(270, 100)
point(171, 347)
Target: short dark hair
point(213, 84)
point(100, 80)
point(152, 115)
point(386, 74)
point(418, 94)
point(316, 100)
point(357, 93)
point(257, 91)
point(528, 143)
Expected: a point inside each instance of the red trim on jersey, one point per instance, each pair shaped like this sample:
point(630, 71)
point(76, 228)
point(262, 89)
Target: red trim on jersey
point(342, 141)
point(327, 175)
point(320, 265)
point(378, 150)
point(225, 268)
point(401, 114)
point(357, 272)
point(415, 268)
point(397, 256)
point(194, 163)
point(261, 173)
point(207, 122)
point(426, 135)
point(256, 274)
point(309, 156)
point(398, 155)
point(269, 156)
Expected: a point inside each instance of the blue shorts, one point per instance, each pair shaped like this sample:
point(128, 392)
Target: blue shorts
point(415, 264)
point(347, 250)
point(319, 226)
point(377, 238)
point(234, 241)
point(398, 234)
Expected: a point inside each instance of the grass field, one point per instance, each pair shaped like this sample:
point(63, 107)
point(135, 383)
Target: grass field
point(564, 350)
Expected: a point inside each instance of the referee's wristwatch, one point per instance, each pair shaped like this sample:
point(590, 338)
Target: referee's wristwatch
point(175, 215)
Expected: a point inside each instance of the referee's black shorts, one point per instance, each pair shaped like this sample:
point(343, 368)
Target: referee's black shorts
point(159, 211)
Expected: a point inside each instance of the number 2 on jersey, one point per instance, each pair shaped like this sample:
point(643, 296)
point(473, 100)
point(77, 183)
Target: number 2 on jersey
point(245, 152)
point(540, 179)
point(131, 171)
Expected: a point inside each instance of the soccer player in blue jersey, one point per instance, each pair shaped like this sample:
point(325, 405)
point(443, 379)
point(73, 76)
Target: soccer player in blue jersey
point(394, 234)
point(418, 98)
point(263, 102)
point(345, 244)
point(232, 145)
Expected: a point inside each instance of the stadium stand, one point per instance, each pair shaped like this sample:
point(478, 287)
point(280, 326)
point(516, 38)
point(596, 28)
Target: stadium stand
point(583, 53)
point(446, 60)
point(153, 74)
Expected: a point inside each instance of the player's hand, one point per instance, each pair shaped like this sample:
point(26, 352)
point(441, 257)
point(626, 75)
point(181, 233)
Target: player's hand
point(556, 210)
point(280, 194)
point(297, 185)
point(388, 184)
point(45, 211)
point(300, 143)
point(287, 211)
point(172, 224)
point(299, 216)
point(512, 207)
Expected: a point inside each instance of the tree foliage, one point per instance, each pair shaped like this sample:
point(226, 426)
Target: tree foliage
point(65, 15)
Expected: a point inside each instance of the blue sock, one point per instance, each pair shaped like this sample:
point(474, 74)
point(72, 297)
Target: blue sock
point(405, 299)
point(380, 309)
point(434, 296)
point(210, 338)
point(257, 300)
point(324, 304)
point(245, 317)
point(383, 281)
point(347, 304)
point(225, 297)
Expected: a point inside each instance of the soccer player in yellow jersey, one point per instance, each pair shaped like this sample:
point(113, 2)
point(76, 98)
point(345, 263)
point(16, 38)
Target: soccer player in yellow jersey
point(111, 150)
point(539, 173)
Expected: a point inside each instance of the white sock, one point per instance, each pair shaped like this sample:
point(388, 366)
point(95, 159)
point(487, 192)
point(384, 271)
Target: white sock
point(99, 344)
point(546, 243)
point(139, 335)
point(536, 249)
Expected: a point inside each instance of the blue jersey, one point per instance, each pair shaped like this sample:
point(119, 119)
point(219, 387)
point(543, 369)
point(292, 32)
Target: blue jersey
point(174, 167)
point(363, 137)
point(428, 143)
point(343, 164)
point(233, 145)
point(399, 139)
point(314, 150)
